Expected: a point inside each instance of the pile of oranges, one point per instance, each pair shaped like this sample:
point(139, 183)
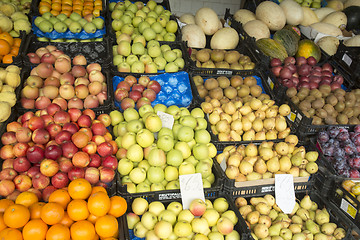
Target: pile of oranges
point(80, 212)
point(82, 7)
point(9, 47)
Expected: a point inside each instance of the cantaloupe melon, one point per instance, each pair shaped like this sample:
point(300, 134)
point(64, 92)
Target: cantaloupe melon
point(293, 12)
point(208, 20)
point(257, 29)
point(271, 14)
point(243, 16)
point(194, 36)
point(225, 38)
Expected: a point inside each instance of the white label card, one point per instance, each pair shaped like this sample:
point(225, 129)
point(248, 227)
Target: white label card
point(284, 192)
point(223, 164)
point(191, 187)
point(347, 59)
point(348, 208)
point(167, 120)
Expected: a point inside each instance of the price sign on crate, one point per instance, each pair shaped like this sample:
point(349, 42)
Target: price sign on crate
point(167, 120)
point(348, 208)
point(191, 187)
point(284, 192)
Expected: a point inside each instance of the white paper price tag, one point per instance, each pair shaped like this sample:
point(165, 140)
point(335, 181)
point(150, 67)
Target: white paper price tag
point(284, 192)
point(348, 208)
point(167, 120)
point(347, 59)
point(223, 164)
point(191, 187)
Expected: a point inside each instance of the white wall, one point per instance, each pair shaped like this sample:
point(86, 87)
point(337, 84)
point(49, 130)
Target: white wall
point(178, 7)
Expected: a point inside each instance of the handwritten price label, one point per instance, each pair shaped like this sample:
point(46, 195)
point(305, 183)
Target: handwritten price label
point(167, 120)
point(284, 192)
point(191, 187)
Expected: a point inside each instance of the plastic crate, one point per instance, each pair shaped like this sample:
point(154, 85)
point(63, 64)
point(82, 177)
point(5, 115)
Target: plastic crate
point(173, 45)
point(216, 187)
point(239, 227)
point(105, 108)
point(346, 202)
point(94, 52)
point(175, 88)
point(335, 215)
point(264, 186)
point(18, 60)
point(348, 59)
point(164, 3)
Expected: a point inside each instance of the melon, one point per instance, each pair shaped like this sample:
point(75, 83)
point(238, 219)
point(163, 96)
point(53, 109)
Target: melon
point(293, 12)
point(187, 18)
point(349, 3)
point(308, 48)
point(326, 28)
point(194, 36)
point(353, 42)
point(225, 38)
point(208, 20)
point(309, 17)
point(329, 44)
point(243, 16)
point(336, 5)
point(321, 13)
point(271, 14)
point(338, 19)
point(257, 29)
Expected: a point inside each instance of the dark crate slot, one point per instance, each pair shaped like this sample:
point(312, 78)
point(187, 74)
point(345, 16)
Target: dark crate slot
point(18, 59)
point(94, 52)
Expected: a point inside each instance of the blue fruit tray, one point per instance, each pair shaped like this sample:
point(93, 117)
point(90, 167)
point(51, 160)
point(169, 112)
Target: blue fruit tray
point(175, 88)
point(68, 34)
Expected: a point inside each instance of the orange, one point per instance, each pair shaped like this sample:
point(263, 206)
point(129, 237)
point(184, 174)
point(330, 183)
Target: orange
point(58, 232)
point(44, 9)
point(16, 216)
point(66, 12)
point(82, 230)
point(66, 220)
point(56, 6)
point(35, 210)
point(55, 12)
point(17, 42)
point(44, 4)
point(10, 234)
point(35, 230)
point(106, 226)
point(99, 204)
point(118, 206)
point(52, 213)
point(86, 12)
point(110, 238)
point(8, 58)
point(79, 189)
point(14, 51)
point(98, 2)
point(4, 47)
point(78, 210)
point(77, 11)
point(69, 2)
point(4, 203)
point(98, 7)
point(26, 199)
point(78, 7)
point(7, 37)
point(2, 223)
point(98, 189)
point(96, 12)
point(92, 218)
point(61, 197)
point(66, 7)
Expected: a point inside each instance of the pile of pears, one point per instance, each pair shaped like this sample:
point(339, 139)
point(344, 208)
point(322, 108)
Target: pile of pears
point(239, 111)
point(252, 162)
point(267, 221)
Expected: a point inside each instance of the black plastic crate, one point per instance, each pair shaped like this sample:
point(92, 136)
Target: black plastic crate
point(264, 186)
point(216, 187)
point(18, 60)
point(335, 215)
point(346, 202)
point(105, 108)
point(239, 227)
point(94, 52)
point(348, 59)
point(173, 45)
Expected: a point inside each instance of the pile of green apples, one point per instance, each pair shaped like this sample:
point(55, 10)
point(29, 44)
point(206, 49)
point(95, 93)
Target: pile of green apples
point(307, 221)
point(152, 156)
point(308, 3)
point(74, 23)
point(152, 21)
point(203, 220)
point(137, 56)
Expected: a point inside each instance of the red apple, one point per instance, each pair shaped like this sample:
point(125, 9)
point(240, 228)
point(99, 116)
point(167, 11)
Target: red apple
point(90, 148)
point(98, 128)
point(71, 127)
point(36, 122)
point(40, 181)
point(65, 165)
point(52, 109)
point(149, 94)
point(90, 113)
point(7, 187)
point(54, 129)
point(49, 167)
point(40, 136)
point(135, 95)
point(60, 180)
point(87, 131)
point(84, 121)
point(8, 163)
point(33, 58)
point(81, 159)
point(47, 192)
point(75, 173)
point(35, 154)
point(120, 94)
point(144, 80)
point(48, 58)
point(105, 119)
point(33, 171)
point(74, 114)
point(105, 149)
point(69, 149)
point(20, 149)
point(63, 136)
point(92, 175)
point(13, 126)
point(47, 119)
point(27, 103)
point(23, 135)
point(110, 162)
point(37, 193)
point(22, 182)
point(21, 164)
point(7, 152)
point(138, 87)
point(44, 70)
point(121, 153)
point(95, 161)
point(53, 152)
point(142, 101)
point(127, 103)
point(106, 174)
point(131, 80)
point(8, 173)
point(61, 117)
point(154, 85)
point(93, 66)
point(61, 102)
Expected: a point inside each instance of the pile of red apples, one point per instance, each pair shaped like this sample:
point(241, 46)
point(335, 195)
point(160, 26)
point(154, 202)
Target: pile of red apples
point(45, 150)
point(70, 83)
point(133, 92)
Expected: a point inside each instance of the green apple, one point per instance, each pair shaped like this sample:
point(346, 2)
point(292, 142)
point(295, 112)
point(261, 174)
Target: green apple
point(153, 123)
point(202, 136)
point(136, 21)
point(170, 37)
point(117, 14)
point(171, 173)
point(141, 39)
point(160, 63)
point(163, 21)
point(138, 67)
point(204, 168)
point(140, 13)
point(165, 47)
point(151, 67)
point(112, 6)
point(152, 14)
point(132, 7)
point(61, 17)
point(144, 109)
point(124, 48)
point(127, 28)
point(197, 113)
point(183, 148)
point(135, 153)
point(38, 20)
point(144, 137)
point(165, 143)
point(117, 24)
point(173, 185)
point(47, 15)
point(46, 26)
point(153, 43)
point(154, 51)
point(167, 215)
point(75, 16)
point(125, 166)
point(145, 59)
point(174, 157)
point(137, 175)
point(180, 62)
point(149, 220)
point(117, 59)
point(89, 27)
point(130, 14)
point(75, 27)
point(143, 187)
point(188, 120)
point(176, 128)
point(54, 20)
point(157, 157)
point(192, 160)
point(191, 143)
point(122, 128)
point(134, 126)
point(170, 56)
point(116, 117)
point(174, 111)
point(156, 207)
point(120, 5)
point(156, 26)
point(137, 48)
point(157, 187)
point(60, 27)
point(128, 140)
point(149, 34)
point(144, 164)
point(142, 26)
point(68, 21)
point(171, 67)
point(160, 108)
point(200, 151)
point(211, 178)
point(186, 168)
point(131, 114)
point(171, 26)
point(185, 134)
point(124, 67)
point(126, 19)
point(155, 174)
point(165, 132)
